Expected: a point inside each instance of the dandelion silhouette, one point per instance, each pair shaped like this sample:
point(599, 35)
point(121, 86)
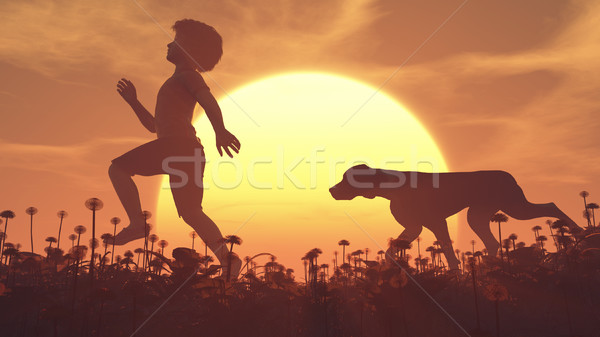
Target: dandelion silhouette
point(93, 204)
point(61, 215)
point(163, 244)
point(73, 237)
point(7, 214)
point(584, 195)
point(31, 211)
point(146, 215)
point(114, 221)
point(50, 240)
point(499, 218)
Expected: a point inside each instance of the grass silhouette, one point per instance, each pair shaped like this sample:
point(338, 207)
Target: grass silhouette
point(526, 290)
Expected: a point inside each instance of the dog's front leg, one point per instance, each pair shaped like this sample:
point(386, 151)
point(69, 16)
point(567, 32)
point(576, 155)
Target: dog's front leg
point(440, 230)
point(410, 234)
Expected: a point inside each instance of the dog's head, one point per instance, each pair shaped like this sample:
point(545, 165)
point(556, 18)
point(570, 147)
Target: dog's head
point(359, 180)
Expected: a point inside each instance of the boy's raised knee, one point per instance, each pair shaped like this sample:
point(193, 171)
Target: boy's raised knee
point(116, 170)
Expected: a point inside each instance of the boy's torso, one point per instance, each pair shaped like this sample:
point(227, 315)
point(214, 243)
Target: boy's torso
point(174, 109)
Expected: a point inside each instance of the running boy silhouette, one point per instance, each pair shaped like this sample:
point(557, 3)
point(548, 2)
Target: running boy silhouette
point(197, 47)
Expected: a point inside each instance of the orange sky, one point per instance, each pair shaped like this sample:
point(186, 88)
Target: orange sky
point(508, 85)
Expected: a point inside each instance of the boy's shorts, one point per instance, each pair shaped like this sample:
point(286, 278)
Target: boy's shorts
point(181, 158)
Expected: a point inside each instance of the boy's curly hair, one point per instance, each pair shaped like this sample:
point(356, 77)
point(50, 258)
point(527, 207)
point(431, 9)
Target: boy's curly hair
point(201, 41)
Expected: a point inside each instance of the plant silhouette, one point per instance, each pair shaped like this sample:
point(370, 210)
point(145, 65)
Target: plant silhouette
point(31, 211)
point(61, 215)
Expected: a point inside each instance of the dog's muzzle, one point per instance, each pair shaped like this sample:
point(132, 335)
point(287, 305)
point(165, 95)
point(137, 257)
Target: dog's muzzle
point(339, 194)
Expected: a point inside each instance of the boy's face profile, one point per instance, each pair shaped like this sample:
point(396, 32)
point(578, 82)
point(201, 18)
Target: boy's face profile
point(175, 54)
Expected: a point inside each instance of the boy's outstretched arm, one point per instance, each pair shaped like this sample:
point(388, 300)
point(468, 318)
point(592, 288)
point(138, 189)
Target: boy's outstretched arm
point(225, 139)
point(127, 90)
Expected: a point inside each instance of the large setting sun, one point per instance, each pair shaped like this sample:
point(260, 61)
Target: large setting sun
point(299, 133)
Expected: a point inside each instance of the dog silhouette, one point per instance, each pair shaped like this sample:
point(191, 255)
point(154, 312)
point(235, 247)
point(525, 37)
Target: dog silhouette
point(419, 199)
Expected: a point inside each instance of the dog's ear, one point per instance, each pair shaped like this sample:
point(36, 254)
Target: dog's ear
point(361, 166)
point(361, 176)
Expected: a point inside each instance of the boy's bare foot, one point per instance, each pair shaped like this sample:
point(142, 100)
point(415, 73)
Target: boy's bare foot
point(129, 233)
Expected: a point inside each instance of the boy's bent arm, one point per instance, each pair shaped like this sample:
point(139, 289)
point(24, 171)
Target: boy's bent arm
point(208, 102)
point(143, 115)
point(127, 90)
point(225, 139)
point(196, 86)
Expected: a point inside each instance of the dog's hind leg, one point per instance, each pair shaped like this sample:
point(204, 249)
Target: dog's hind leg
point(479, 220)
point(525, 211)
point(411, 233)
point(440, 230)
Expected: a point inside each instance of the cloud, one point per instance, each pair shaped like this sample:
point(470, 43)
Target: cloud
point(55, 37)
point(58, 37)
point(79, 163)
point(531, 110)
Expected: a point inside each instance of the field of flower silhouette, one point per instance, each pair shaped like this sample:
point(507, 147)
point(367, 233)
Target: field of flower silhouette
point(545, 285)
